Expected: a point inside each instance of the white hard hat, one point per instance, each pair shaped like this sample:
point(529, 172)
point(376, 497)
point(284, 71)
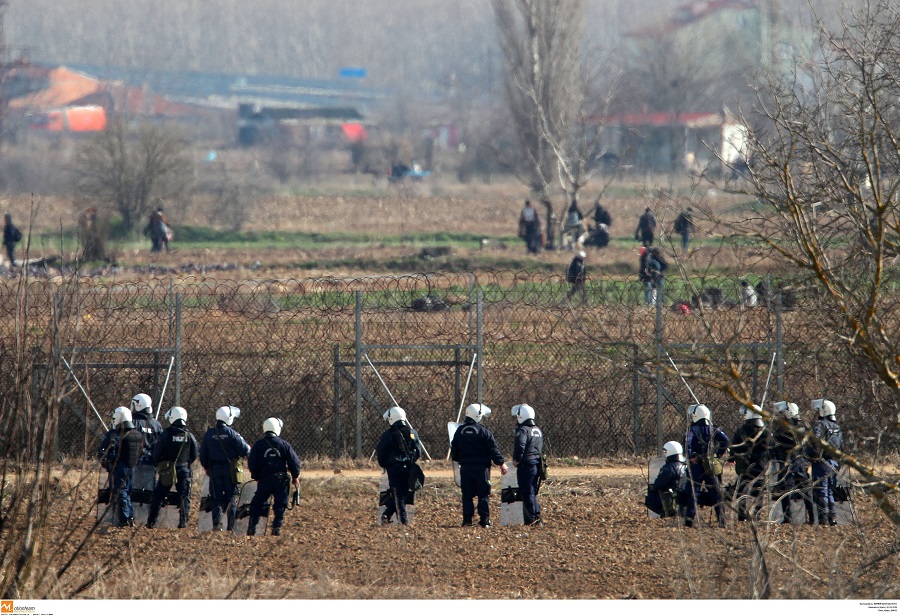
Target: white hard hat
point(477, 411)
point(673, 448)
point(750, 412)
point(699, 412)
point(227, 414)
point(825, 408)
point(582, 254)
point(273, 425)
point(140, 403)
point(522, 412)
point(788, 409)
point(394, 414)
point(175, 413)
point(120, 416)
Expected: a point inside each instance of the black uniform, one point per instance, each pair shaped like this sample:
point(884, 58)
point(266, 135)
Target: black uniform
point(670, 493)
point(792, 481)
point(176, 444)
point(220, 446)
point(474, 448)
point(397, 450)
point(150, 428)
point(750, 454)
point(527, 450)
point(825, 468)
point(119, 453)
point(273, 463)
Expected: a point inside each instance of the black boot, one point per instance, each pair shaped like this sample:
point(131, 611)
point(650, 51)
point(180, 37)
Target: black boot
point(832, 519)
point(251, 525)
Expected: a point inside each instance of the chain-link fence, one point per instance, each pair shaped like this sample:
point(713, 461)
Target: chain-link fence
point(330, 355)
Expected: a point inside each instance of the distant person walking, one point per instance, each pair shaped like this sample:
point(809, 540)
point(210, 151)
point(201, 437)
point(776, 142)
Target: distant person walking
point(646, 228)
point(684, 226)
point(574, 228)
point(530, 228)
point(159, 231)
point(11, 237)
point(575, 276)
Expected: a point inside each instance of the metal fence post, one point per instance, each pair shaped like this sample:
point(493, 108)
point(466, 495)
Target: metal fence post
point(479, 342)
point(178, 307)
point(779, 348)
point(659, 368)
point(636, 399)
point(358, 368)
point(336, 403)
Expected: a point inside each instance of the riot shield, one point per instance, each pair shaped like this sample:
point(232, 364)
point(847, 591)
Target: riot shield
point(511, 509)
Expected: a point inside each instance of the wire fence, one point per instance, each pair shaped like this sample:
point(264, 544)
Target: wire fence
point(330, 355)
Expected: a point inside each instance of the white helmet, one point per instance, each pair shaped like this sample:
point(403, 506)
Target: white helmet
point(699, 412)
point(175, 413)
point(522, 412)
point(582, 255)
point(120, 416)
point(673, 448)
point(273, 425)
point(750, 412)
point(788, 409)
point(477, 412)
point(825, 408)
point(227, 414)
point(140, 403)
point(394, 414)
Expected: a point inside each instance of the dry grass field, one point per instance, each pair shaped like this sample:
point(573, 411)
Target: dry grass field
point(381, 222)
point(597, 543)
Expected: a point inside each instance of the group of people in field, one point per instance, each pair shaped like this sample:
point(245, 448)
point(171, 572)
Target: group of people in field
point(781, 462)
point(137, 439)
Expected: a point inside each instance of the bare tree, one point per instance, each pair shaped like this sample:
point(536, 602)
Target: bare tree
point(540, 43)
point(825, 178)
point(130, 170)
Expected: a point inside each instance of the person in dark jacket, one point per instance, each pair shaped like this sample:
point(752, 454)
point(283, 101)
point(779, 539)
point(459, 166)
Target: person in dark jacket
point(397, 451)
point(175, 446)
point(220, 450)
point(11, 237)
point(824, 466)
point(574, 226)
point(274, 465)
point(750, 453)
point(670, 494)
point(706, 483)
point(146, 424)
point(474, 448)
point(119, 453)
point(646, 227)
point(575, 276)
point(601, 215)
point(792, 476)
point(527, 450)
point(685, 227)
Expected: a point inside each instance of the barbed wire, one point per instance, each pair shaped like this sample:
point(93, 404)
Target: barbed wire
point(287, 348)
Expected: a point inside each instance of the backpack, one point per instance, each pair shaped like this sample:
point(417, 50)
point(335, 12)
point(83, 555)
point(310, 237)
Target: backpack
point(16, 234)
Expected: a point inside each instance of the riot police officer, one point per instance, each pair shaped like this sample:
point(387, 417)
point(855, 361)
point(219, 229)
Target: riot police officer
point(274, 465)
point(220, 450)
point(792, 478)
point(750, 454)
point(705, 465)
point(397, 450)
point(176, 447)
point(474, 448)
point(824, 466)
point(527, 451)
point(670, 494)
point(119, 453)
point(146, 424)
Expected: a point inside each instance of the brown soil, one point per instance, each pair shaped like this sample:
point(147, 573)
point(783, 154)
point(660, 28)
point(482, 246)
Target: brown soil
point(598, 542)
